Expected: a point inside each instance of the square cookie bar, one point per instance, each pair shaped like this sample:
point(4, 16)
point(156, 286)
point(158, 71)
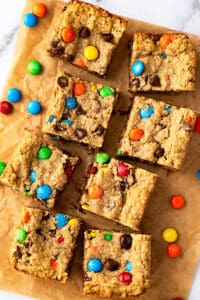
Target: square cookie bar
point(86, 36)
point(80, 110)
point(116, 264)
point(38, 169)
point(117, 190)
point(157, 132)
point(162, 62)
point(43, 243)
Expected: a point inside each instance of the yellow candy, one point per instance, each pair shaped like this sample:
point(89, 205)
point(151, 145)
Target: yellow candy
point(169, 235)
point(93, 233)
point(92, 87)
point(91, 53)
point(104, 169)
point(73, 222)
point(130, 219)
point(85, 206)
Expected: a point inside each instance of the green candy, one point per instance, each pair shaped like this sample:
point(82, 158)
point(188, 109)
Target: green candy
point(20, 235)
point(102, 158)
point(108, 236)
point(119, 152)
point(2, 167)
point(106, 91)
point(34, 67)
point(44, 153)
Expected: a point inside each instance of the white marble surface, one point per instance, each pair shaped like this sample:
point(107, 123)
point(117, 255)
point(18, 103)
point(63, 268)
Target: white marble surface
point(176, 14)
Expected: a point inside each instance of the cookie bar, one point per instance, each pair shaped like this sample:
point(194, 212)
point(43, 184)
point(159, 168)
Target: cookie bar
point(162, 62)
point(38, 169)
point(116, 264)
point(44, 243)
point(86, 36)
point(157, 132)
point(80, 110)
point(117, 190)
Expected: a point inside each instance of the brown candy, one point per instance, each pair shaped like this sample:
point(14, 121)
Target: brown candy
point(80, 110)
point(62, 81)
point(125, 241)
point(111, 264)
point(155, 37)
point(17, 253)
point(159, 152)
point(84, 32)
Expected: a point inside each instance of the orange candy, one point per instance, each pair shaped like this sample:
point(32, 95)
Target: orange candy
point(39, 10)
point(53, 263)
point(165, 40)
point(95, 191)
point(177, 201)
point(79, 88)
point(68, 35)
point(173, 250)
point(80, 62)
point(26, 217)
point(189, 119)
point(136, 134)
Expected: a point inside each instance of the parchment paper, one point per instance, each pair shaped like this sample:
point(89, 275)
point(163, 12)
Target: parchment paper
point(170, 277)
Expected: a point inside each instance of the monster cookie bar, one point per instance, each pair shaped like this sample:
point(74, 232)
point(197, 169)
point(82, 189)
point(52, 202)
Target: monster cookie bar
point(80, 110)
point(44, 243)
point(117, 190)
point(86, 36)
point(162, 62)
point(157, 132)
point(38, 169)
point(116, 264)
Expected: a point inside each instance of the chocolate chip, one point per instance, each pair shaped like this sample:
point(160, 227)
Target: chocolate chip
point(52, 232)
point(28, 245)
point(80, 110)
point(80, 133)
point(68, 58)
point(130, 44)
point(155, 37)
point(62, 81)
point(111, 264)
point(135, 82)
point(163, 126)
point(64, 8)
point(84, 32)
point(66, 115)
point(122, 186)
point(17, 253)
point(125, 241)
point(54, 44)
point(58, 127)
point(57, 51)
point(99, 130)
point(108, 37)
point(39, 231)
point(159, 152)
point(155, 81)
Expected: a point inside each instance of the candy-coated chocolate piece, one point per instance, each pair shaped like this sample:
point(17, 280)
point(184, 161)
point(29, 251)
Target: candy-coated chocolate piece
point(91, 53)
point(26, 217)
point(95, 191)
point(20, 235)
point(168, 109)
point(119, 152)
point(68, 35)
point(44, 153)
point(71, 103)
point(34, 67)
point(68, 122)
point(126, 241)
point(30, 20)
point(146, 113)
point(169, 235)
point(137, 68)
point(197, 125)
point(102, 158)
point(73, 222)
point(111, 264)
point(177, 201)
point(51, 118)
point(106, 91)
point(34, 107)
point(33, 176)
point(2, 167)
point(5, 107)
point(79, 88)
point(14, 95)
point(60, 240)
point(68, 171)
point(122, 169)
point(53, 264)
point(108, 236)
point(129, 266)
point(39, 10)
point(94, 265)
point(92, 170)
point(165, 40)
point(43, 192)
point(61, 220)
point(136, 134)
point(125, 278)
point(173, 250)
point(164, 55)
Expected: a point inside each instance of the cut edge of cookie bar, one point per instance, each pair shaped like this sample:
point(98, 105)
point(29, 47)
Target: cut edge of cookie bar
point(27, 175)
point(43, 243)
point(119, 197)
point(169, 146)
point(108, 26)
point(155, 71)
point(87, 121)
point(129, 259)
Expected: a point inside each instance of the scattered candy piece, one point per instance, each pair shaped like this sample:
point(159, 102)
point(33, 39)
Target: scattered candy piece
point(177, 201)
point(119, 152)
point(111, 264)
point(73, 222)
point(122, 169)
point(5, 107)
point(165, 40)
point(34, 67)
point(136, 134)
point(95, 191)
point(68, 35)
point(30, 20)
point(102, 158)
point(2, 167)
point(164, 55)
point(68, 122)
point(79, 88)
point(68, 171)
point(198, 174)
point(125, 278)
point(71, 103)
point(106, 91)
point(129, 266)
point(93, 234)
point(173, 250)
point(34, 107)
point(33, 176)
point(168, 109)
point(53, 263)
point(92, 170)
point(92, 87)
point(43, 192)
point(61, 220)
point(39, 10)
point(91, 53)
point(51, 118)
point(44, 153)
point(137, 68)
point(60, 240)
point(169, 235)
point(94, 265)
point(197, 125)
point(80, 62)
point(125, 241)
point(108, 236)
point(26, 217)
point(20, 235)
point(146, 113)
point(14, 95)
point(85, 206)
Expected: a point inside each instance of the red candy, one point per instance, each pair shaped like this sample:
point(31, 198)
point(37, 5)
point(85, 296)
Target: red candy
point(125, 278)
point(122, 169)
point(92, 170)
point(68, 171)
point(177, 201)
point(68, 35)
point(26, 217)
point(39, 10)
point(60, 239)
point(173, 250)
point(197, 125)
point(53, 263)
point(5, 107)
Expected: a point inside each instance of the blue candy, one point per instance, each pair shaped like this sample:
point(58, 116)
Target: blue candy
point(55, 138)
point(146, 113)
point(30, 20)
point(137, 68)
point(198, 174)
point(14, 95)
point(129, 266)
point(94, 265)
point(51, 118)
point(61, 220)
point(71, 103)
point(68, 122)
point(168, 109)
point(34, 107)
point(164, 55)
point(33, 176)
point(43, 192)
